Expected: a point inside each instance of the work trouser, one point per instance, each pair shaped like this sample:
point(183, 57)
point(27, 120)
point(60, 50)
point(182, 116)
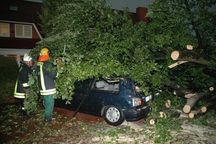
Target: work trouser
point(22, 101)
point(49, 106)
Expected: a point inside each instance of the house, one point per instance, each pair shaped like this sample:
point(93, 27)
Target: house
point(19, 27)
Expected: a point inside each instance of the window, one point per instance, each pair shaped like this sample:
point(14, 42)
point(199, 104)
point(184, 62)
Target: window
point(106, 86)
point(4, 29)
point(23, 31)
point(82, 85)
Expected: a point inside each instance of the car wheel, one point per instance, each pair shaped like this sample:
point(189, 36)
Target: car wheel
point(113, 115)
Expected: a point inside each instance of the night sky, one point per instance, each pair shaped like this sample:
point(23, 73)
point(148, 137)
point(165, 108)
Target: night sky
point(131, 4)
point(121, 4)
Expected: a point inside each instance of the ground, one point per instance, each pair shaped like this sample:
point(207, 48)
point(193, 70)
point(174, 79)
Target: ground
point(87, 129)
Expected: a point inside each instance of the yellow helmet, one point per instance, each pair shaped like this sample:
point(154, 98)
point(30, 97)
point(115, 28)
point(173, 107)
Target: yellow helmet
point(44, 55)
point(44, 51)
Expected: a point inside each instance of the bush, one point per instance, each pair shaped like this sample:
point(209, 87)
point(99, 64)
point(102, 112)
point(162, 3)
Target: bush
point(8, 76)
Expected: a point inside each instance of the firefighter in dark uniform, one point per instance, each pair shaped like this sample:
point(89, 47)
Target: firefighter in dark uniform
point(22, 87)
point(46, 73)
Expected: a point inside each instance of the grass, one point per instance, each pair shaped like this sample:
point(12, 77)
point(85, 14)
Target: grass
point(161, 131)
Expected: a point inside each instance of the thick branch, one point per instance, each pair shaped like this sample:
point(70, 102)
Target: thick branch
point(192, 101)
point(176, 55)
point(177, 63)
point(199, 61)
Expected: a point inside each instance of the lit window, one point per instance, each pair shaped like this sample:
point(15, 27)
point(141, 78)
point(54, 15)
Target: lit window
point(4, 30)
point(23, 31)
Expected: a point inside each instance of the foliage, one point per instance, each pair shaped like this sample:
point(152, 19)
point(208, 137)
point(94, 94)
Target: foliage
point(163, 129)
point(32, 98)
point(163, 126)
point(88, 39)
point(8, 75)
point(178, 23)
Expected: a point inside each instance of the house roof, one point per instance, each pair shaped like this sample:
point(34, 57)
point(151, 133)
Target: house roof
point(20, 10)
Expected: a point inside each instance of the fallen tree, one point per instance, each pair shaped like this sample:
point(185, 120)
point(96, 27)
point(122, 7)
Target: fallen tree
point(192, 97)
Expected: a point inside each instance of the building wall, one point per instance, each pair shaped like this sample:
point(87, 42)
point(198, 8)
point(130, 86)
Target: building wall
point(19, 12)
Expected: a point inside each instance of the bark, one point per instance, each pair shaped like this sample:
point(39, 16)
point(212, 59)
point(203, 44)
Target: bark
point(192, 101)
point(198, 61)
point(188, 56)
point(189, 95)
point(178, 55)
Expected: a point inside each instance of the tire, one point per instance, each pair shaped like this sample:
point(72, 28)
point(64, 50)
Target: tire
point(113, 115)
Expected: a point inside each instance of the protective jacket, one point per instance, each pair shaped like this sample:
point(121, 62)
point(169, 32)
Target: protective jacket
point(46, 72)
point(22, 81)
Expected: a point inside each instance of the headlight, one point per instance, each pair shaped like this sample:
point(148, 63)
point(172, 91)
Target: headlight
point(137, 101)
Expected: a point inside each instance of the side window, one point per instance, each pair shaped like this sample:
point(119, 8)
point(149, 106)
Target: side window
point(106, 86)
point(82, 85)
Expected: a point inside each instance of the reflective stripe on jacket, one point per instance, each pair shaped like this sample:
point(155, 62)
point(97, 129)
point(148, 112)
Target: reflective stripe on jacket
point(22, 81)
point(46, 73)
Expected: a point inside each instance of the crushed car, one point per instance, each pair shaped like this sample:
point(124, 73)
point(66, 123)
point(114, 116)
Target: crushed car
point(116, 100)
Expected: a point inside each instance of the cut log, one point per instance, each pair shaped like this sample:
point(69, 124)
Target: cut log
point(175, 55)
point(211, 88)
point(162, 114)
point(189, 47)
point(204, 109)
point(193, 113)
point(209, 104)
point(152, 122)
point(192, 101)
point(188, 56)
point(178, 55)
point(168, 104)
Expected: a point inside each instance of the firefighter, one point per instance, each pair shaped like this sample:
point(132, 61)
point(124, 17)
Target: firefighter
point(46, 73)
point(22, 87)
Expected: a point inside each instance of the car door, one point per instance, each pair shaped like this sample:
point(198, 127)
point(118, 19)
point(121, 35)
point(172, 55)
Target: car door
point(101, 93)
point(81, 91)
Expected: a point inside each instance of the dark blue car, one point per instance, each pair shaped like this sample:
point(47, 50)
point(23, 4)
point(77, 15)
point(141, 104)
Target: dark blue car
point(115, 100)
